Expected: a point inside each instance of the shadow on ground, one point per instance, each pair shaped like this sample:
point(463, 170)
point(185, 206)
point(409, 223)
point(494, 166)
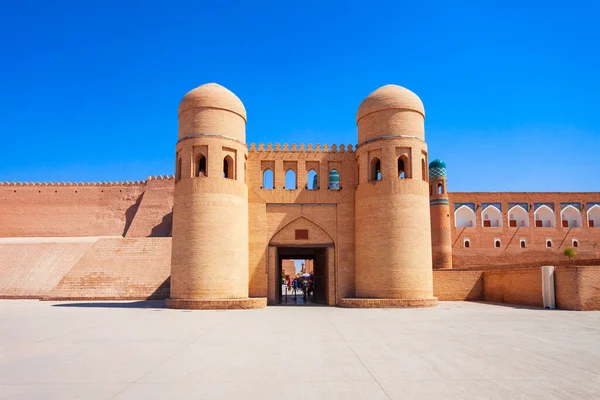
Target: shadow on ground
point(115, 304)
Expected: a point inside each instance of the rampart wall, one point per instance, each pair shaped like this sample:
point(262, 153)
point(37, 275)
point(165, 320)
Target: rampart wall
point(86, 209)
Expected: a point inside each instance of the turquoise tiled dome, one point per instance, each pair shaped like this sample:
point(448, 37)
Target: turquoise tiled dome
point(437, 168)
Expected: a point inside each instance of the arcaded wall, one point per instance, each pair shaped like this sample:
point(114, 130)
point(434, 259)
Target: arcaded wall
point(577, 288)
point(519, 286)
point(482, 251)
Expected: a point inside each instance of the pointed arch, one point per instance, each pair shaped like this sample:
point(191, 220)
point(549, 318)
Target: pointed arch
point(286, 234)
point(544, 217)
point(200, 165)
point(464, 217)
point(291, 180)
point(312, 180)
point(268, 182)
point(424, 174)
point(492, 214)
point(570, 217)
point(334, 180)
point(518, 217)
point(593, 214)
point(402, 173)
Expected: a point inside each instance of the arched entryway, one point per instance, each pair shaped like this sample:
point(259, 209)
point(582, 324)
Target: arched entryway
point(305, 240)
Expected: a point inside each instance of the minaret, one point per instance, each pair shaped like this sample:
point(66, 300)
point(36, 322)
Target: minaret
point(209, 261)
point(392, 224)
point(441, 239)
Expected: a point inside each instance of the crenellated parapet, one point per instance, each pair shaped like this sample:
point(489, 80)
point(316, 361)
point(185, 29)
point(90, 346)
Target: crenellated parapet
point(302, 148)
point(297, 152)
point(79, 184)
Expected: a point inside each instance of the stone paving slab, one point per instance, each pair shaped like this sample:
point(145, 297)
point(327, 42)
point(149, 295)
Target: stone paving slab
point(141, 350)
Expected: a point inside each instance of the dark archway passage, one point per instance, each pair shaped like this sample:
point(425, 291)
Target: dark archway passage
point(320, 277)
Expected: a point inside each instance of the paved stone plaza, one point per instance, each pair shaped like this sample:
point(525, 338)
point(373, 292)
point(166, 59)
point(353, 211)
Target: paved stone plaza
point(141, 350)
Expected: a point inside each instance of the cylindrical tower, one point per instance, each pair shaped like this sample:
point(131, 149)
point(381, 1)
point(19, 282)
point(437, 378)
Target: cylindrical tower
point(209, 260)
point(393, 240)
point(441, 238)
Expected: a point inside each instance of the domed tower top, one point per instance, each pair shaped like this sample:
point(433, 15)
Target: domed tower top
point(212, 109)
point(390, 110)
point(437, 168)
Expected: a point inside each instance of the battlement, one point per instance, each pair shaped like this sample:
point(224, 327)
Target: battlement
point(121, 183)
point(302, 148)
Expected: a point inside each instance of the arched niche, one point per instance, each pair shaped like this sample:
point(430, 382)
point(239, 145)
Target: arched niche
point(493, 215)
point(268, 182)
point(290, 179)
point(464, 217)
point(312, 180)
point(593, 214)
point(375, 170)
point(544, 217)
point(518, 217)
point(570, 217)
point(228, 168)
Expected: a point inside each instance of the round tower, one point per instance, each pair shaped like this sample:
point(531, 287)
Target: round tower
point(209, 259)
point(441, 238)
point(392, 231)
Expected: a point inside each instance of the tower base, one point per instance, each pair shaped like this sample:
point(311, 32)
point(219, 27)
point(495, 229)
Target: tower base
point(387, 303)
point(218, 304)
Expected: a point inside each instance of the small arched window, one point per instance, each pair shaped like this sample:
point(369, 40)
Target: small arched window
point(424, 170)
point(401, 170)
point(575, 243)
point(178, 169)
point(523, 244)
point(548, 243)
point(467, 243)
point(228, 167)
point(267, 179)
point(312, 180)
point(497, 243)
point(200, 165)
point(375, 174)
point(440, 188)
point(290, 180)
point(334, 180)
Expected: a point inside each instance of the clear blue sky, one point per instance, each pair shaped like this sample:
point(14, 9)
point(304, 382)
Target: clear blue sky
point(511, 89)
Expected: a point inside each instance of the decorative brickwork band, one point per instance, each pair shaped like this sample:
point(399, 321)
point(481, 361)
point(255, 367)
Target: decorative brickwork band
point(525, 206)
point(577, 205)
point(438, 202)
point(459, 205)
point(301, 148)
point(538, 205)
point(486, 205)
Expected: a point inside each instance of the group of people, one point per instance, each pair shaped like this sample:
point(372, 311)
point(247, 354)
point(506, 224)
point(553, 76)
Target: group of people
point(305, 284)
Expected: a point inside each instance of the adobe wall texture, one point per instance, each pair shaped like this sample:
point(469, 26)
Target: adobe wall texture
point(119, 268)
point(520, 286)
point(577, 288)
point(87, 209)
point(457, 285)
point(32, 269)
point(482, 251)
